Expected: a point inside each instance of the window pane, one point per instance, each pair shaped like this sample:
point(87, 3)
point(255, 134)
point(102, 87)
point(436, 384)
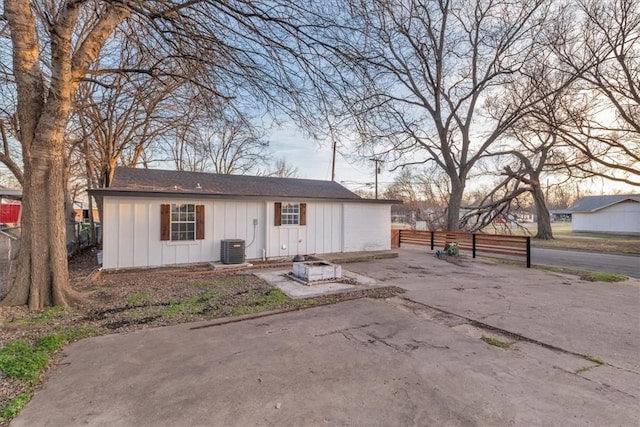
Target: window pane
point(183, 222)
point(290, 213)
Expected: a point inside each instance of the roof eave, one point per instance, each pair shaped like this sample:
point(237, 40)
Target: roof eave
point(124, 192)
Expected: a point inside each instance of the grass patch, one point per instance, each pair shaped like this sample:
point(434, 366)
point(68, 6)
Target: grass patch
point(24, 361)
point(594, 359)
point(77, 332)
point(591, 276)
point(15, 405)
point(192, 305)
point(269, 301)
point(496, 342)
point(597, 276)
point(139, 298)
point(41, 318)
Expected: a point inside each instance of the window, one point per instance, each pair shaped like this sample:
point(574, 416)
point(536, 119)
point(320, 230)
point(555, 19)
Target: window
point(290, 213)
point(181, 222)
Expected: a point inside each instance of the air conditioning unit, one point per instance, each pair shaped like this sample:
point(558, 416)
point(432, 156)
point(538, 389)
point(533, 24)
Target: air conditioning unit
point(232, 251)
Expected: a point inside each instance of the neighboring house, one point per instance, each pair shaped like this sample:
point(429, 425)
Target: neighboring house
point(608, 214)
point(563, 215)
point(158, 217)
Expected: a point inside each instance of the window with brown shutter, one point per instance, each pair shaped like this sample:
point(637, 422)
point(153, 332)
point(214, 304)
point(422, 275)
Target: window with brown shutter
point(277, 213)
point(181, 221)
point(199, 222)
point(290, 213)
point(165, 222)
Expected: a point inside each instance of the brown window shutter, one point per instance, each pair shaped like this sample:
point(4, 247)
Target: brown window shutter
point(165, 222)
point(303, 214)
point(277, 213)
point(199, 222)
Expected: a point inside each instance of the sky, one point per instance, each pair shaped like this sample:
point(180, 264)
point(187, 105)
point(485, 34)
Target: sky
point(313, 160)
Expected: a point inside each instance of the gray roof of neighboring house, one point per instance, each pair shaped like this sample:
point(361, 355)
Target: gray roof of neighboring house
point(595, 203)
point(145, 182)
point(10, 193)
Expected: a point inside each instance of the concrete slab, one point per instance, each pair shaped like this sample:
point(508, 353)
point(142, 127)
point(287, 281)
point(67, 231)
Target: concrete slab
point(591, 318)
point(298, 290)
point(614, 378)
point(357, 363)
point(372, 362)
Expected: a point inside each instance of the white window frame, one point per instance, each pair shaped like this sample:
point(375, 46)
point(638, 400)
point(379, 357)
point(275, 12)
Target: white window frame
point(290, 213)
point(183, 222)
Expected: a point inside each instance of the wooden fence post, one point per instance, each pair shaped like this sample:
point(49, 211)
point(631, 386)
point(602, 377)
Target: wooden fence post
point(528, 251)
point(432, 239)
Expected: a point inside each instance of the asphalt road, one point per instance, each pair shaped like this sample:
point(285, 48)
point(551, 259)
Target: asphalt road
point(627, 265)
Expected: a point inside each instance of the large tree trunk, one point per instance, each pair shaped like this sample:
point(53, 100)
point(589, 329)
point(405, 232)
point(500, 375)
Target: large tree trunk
point(542, 213)
point(455, 202)
point(42, 276)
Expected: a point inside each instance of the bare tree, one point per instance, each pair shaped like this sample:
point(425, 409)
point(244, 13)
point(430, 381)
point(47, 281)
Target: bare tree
point(430, 75)
point(219, 138)
point(281, 169)
point(8, 154)
point(230, 48)
point(601, 46)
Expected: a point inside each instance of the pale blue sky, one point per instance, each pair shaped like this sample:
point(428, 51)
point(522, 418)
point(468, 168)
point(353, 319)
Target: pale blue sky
point(313, 160)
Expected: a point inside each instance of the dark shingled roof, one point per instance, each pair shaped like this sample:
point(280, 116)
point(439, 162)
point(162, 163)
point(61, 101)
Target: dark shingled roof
point(595, 203)
point(165, 181)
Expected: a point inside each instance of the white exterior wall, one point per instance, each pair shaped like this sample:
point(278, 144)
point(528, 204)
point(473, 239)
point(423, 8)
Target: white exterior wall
point(131, 231)
point(321, 235)
point(367, 227)
point(623, 217)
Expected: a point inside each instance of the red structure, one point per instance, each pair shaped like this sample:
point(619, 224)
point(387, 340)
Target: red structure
point(9, 213)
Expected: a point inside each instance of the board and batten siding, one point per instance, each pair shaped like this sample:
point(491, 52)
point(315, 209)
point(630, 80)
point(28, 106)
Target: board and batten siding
point(132, 232)
point(367, 227)
point(131, 229)
point(322, 233)
point(623, 217)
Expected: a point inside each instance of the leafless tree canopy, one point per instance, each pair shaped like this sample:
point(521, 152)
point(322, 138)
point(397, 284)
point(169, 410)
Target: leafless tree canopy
point(228, 50)
point(428, 78)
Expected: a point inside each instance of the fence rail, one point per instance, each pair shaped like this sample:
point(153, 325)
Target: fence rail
point(476, 243)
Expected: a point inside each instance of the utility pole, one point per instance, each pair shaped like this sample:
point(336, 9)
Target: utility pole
point(377, 171)
point(333, 161)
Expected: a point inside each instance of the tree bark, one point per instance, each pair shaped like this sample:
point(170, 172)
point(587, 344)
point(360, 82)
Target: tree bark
point(42, 274)
point(542, 213)
point(455, 201)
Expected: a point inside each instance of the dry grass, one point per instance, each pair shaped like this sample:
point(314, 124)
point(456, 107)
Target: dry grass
point(564, 238)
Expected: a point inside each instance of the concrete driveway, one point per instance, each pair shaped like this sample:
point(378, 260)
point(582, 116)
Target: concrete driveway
point(414, 360)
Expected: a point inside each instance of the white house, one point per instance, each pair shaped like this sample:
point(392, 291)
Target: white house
point(158, 218)
point(607, 214)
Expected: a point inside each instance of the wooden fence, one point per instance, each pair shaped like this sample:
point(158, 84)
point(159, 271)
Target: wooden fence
point(476, 243)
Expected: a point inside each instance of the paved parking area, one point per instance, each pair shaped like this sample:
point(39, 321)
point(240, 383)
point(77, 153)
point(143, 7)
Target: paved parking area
point(413, 360)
